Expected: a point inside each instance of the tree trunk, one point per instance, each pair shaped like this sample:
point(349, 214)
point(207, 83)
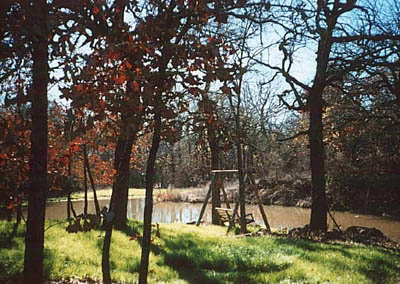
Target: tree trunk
point(105, 257)
point(34, 238)
point(119, 200)
point(96, 201)
point(148, 208)
point(238, 125)
point(172, 176)
point(125, 141)
point(216, 199)
point(242, 200)
point(121, 186)
point(319, 207)
point(69, 188)
point(85, 183)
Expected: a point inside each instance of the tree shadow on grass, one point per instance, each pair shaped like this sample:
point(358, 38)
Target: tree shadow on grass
point(377, 268)
point(49, 258)
point(11, 268)
point(198, 262)
point(8, 232)
point(309, 246)
point(11, 259)
point(132, 228)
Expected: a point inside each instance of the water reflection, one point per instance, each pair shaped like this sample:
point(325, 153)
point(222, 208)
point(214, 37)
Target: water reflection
point(278, 216)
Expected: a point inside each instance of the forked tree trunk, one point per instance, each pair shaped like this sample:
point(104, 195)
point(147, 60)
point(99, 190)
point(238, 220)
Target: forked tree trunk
point(34, 238)
point(148, 208)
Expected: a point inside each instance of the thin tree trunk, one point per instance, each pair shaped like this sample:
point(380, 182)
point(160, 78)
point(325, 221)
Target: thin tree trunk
point(216, 199)
point(34, 238)
point(109, 222)
point(242, 200)
point(213, 143)
point(238, 131)
point(105, 257)
point(70, 205)
point(172, 182)
point(319, 207)
point(69, 189)
point(125, 141)
point(122, 153)
point(96, 201)
point(85, 183)
point(119, 194)
point(148, 208)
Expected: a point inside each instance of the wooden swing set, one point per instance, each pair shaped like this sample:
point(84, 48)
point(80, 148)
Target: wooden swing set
point(226, 214)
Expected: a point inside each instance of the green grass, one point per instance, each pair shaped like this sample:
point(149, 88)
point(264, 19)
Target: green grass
point(189, 254)
point(105, 193)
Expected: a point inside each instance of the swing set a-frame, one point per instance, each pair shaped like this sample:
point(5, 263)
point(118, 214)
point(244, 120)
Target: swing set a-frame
point(226, 214)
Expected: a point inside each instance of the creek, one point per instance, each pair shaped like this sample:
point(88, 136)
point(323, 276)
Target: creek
point(278, 216)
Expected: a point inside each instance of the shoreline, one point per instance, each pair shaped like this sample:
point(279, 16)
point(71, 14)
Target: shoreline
point(173, 200)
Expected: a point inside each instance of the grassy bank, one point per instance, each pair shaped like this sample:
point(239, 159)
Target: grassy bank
point(189, 254)
point(105, 193)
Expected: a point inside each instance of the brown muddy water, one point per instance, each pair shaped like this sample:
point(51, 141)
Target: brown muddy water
point(278, 216)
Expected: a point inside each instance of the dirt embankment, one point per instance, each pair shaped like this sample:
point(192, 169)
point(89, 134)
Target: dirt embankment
point(294, 192)
point(272, 192)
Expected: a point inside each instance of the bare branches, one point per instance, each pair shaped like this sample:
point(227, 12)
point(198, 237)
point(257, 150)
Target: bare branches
point(360, 37)
point(301, 133)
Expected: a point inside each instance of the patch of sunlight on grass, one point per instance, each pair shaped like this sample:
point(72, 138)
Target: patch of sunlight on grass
point(72, 254)
point(105, 193)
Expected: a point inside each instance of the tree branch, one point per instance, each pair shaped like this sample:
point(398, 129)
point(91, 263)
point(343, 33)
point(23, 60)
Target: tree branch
point(294, 136)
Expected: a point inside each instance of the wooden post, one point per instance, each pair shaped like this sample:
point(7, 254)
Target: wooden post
point(203, 208)
point(334, 221)
point(225, 196)
point(224, 171)
point(260, 205)
point(232, 220)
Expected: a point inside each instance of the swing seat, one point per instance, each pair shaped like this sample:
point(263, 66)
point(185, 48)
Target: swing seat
point(226, 216)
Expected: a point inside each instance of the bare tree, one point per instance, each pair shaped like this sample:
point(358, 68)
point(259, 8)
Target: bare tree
point(324, 26)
